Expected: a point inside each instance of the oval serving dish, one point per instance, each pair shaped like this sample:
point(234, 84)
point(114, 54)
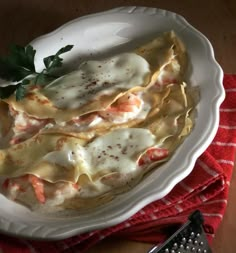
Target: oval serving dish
point(107, 33)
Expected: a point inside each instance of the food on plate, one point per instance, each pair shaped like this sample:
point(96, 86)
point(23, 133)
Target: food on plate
point(91, 134)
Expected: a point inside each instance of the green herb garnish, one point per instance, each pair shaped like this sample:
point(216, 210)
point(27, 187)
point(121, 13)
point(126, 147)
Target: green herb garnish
point(18, 67)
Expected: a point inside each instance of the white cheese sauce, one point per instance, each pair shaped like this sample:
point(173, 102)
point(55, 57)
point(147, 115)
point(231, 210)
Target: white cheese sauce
point(116, 151)
point(119, 150)
point(96, 78)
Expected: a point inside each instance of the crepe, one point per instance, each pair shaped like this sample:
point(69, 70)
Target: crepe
point(97, 131)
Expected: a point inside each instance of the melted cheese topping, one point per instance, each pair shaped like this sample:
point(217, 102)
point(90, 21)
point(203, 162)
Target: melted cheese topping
point(96, 79)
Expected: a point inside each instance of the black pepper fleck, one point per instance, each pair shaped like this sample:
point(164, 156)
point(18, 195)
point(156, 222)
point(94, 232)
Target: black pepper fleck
point(124, 151)
point(118, 145)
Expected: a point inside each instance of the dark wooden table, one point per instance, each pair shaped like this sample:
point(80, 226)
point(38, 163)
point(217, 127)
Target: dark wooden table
point(22, 21)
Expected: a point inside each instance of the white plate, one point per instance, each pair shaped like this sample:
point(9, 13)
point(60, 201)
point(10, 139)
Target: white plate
point(110, 32)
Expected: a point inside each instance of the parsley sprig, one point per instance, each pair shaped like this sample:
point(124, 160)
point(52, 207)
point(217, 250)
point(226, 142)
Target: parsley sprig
point(18, 67)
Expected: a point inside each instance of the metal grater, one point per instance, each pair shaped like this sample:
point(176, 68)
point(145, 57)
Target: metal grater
point(190, 238)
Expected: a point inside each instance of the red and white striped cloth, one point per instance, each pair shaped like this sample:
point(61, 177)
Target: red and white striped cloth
point(206, 189)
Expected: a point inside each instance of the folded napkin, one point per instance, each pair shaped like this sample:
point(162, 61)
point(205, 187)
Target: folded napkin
point(206, 189)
